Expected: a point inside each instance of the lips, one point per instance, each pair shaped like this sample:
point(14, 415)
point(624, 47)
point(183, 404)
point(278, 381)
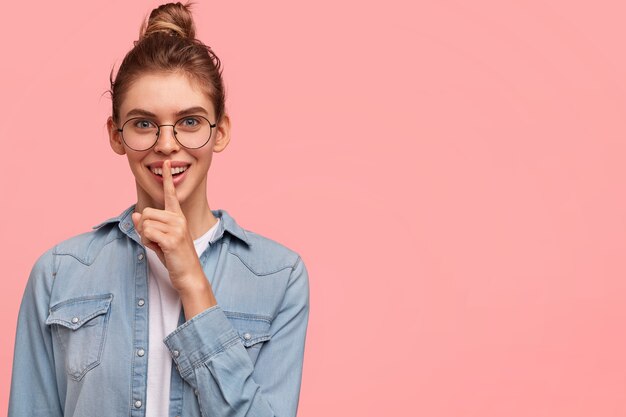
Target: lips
point(178, 168)
point(175, 171)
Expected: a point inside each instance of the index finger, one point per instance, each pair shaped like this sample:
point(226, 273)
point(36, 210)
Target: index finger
point(169, 190)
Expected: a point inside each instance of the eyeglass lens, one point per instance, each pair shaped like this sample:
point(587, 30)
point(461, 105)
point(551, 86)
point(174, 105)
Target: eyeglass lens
point(191, 132)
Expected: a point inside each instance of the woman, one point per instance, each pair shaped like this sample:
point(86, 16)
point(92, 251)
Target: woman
point(170, 308)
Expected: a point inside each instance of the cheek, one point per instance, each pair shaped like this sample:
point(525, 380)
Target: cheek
point(135, 163)
point(135, 157)
point(203, 158)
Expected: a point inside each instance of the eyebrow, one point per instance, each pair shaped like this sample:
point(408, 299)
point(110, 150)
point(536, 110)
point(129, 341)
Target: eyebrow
point(190, 110)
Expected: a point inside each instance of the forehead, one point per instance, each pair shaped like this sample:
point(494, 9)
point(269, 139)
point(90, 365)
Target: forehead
point(165, 95)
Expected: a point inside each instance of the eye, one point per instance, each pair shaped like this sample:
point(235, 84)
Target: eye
point(143, 124)
point(190, 122)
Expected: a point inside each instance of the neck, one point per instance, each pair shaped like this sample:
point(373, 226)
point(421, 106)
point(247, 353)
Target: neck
point(197, 213)
point(199, 218)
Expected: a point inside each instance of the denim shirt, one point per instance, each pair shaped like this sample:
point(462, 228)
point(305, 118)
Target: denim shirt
point(81, 347)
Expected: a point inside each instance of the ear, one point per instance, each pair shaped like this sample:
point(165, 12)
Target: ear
point(115, 137)
point(222, 134)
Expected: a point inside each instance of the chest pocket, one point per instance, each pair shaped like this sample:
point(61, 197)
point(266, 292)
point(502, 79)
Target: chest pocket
point(80, 326)
point(253, 330)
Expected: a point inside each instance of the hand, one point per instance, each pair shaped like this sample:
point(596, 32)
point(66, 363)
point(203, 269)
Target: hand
point(166, 233)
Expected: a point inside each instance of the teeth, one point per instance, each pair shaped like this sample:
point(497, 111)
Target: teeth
point(177, 170)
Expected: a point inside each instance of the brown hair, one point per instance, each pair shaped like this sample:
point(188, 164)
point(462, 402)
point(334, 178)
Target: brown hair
point(167, 44)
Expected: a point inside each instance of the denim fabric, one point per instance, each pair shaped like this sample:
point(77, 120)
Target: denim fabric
point(81, 347)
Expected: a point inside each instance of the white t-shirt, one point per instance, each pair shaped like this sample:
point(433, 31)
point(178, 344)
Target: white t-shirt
point(163, 311)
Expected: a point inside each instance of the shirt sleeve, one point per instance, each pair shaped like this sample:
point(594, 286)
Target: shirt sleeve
point(211, 357)
point(33, 382)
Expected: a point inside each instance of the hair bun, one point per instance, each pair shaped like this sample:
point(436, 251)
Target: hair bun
point(172, 18)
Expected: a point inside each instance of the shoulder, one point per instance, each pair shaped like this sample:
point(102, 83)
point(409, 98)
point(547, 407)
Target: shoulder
point(83, 247)
point(260, 254)
point(86, 246)
point(42, 272)
point(262, 272)
point(263, 255)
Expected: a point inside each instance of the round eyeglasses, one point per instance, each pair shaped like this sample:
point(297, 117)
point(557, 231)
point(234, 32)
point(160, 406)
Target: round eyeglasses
point(191, 132)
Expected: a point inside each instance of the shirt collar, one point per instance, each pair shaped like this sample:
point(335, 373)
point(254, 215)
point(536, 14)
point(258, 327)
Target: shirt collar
point(227, 224)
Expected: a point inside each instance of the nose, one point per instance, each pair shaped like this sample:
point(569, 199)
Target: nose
point(166, 141)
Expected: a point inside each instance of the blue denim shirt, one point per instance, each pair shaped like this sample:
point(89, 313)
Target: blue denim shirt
point(84, 320)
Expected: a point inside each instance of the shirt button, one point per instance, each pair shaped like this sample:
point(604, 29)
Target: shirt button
point(140, 256)
point(195, 392)
point(141, 302)
point(247, 336)
point(75, 320)
point(137, 404)
point(141, 352)
point(176, 353)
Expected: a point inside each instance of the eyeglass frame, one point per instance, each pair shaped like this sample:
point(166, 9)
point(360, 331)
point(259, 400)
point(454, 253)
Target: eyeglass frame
point(158, 132)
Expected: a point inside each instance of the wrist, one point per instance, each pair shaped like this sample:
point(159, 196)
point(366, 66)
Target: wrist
point(196, 296)
point(193, 284)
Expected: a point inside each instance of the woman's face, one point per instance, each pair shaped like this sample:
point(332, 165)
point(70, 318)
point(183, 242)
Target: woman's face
point(159, 99)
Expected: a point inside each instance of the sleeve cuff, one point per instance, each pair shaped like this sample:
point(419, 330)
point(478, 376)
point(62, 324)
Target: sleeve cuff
point(197, 340)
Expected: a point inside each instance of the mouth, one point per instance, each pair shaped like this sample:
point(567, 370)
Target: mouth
point(176, 171)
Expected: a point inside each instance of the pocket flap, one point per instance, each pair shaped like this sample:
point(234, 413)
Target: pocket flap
point(252, 329)
point(75, 312)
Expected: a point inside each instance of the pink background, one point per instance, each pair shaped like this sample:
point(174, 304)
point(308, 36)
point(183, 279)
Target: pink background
point(452, 173)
